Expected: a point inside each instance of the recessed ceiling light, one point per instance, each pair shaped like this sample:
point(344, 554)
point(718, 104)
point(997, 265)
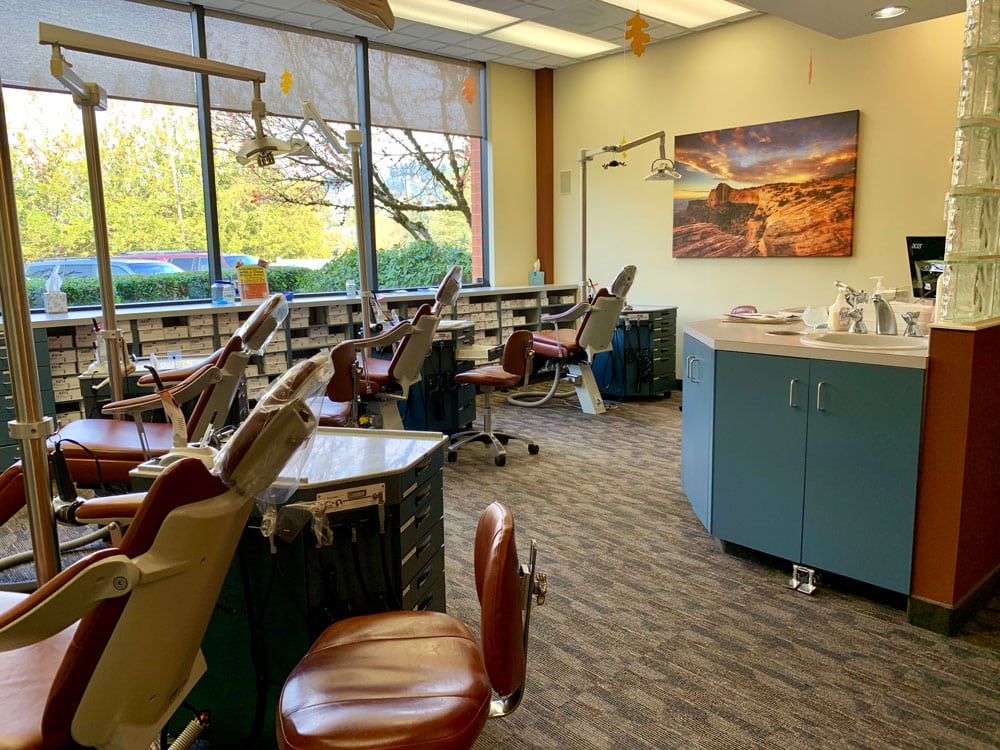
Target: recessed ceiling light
point(687, 13)
point(450, 15)
point(550, 39)
point(889, 11)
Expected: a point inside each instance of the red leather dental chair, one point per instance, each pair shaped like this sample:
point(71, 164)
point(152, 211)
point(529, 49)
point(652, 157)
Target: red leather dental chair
point(104, 653)
point(382, 382)
point(515, 368)
point(100, 451)
point(418, 679)
point(572, 350)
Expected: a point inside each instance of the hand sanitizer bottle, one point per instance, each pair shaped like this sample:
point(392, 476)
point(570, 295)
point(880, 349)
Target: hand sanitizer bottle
point(835, 323)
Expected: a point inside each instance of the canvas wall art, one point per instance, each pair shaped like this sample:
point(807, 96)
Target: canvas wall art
point(780, 189)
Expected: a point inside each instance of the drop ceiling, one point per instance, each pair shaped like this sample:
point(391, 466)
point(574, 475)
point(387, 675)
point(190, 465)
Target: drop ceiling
point(837, 18)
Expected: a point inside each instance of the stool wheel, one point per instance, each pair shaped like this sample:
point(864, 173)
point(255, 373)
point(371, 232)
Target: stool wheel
point(500, 460)
point(452, 456)
point(532, 449)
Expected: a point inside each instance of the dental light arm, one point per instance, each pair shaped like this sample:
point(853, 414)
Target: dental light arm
point(311, 115)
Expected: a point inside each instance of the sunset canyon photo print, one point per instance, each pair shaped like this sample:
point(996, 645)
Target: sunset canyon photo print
point(780, 189)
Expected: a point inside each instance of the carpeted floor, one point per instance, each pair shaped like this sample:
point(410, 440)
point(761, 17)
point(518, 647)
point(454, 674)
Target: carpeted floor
point(652, 637)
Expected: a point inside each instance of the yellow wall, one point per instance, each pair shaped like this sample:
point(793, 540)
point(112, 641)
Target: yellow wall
point(904, 82)
point(510, 119)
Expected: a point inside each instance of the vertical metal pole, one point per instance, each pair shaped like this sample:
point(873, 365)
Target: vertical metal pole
point(354, 141)
point(207, 150)
point(363, 178)
point(112, 336)
point(29, 425)
point(584, 290)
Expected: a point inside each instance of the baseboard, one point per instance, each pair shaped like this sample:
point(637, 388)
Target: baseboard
point(946, 618)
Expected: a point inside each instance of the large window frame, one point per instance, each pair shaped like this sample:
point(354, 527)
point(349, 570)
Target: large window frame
point(202, 95)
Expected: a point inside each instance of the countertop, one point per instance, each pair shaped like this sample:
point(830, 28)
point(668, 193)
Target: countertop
point(785, 340)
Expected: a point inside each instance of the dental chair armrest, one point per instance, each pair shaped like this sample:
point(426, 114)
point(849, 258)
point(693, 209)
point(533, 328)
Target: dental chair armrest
point(66, 598)
point(180, 374)
point(576, 312)
point(184, 391)
point(386, 338)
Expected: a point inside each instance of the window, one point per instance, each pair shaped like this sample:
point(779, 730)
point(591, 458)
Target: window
point(423, 142)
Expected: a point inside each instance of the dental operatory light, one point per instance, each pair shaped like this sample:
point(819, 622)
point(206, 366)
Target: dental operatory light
point(262, 148)
point(889, 11)
point(662, 169)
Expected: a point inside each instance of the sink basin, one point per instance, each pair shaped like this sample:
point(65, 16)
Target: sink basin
point(865, 341)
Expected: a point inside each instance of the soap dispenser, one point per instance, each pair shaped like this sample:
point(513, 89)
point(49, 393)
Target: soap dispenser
point(835, 323)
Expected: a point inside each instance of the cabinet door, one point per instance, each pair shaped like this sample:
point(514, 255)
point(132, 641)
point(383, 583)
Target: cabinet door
point(861, 471)
point(761, 406)
point(696, 427)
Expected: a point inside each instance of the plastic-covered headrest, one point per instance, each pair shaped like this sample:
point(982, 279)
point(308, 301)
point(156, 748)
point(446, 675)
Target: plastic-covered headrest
point(449, 288)
point(258, 329)
point(623, 281)
point(271, 439)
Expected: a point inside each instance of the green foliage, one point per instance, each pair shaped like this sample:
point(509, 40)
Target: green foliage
point(421, 263)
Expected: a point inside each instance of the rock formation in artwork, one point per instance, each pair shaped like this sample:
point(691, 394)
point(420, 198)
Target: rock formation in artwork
point(814, 218)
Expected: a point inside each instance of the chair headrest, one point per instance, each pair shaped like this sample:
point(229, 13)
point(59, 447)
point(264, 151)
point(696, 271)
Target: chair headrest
point(258, 329)
point(280, 424)
point(449, 288)
point(623, 281)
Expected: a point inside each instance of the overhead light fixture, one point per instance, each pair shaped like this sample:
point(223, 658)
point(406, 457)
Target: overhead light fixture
point(450, 15)
point(262, 148)
point(550, 39)
point(690, 14)
point(375, 12)
point(662, 169)
point(889, 11)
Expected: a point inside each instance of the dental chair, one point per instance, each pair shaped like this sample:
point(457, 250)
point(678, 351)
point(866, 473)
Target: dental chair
point(419, 679)
point(104, 451)
point(382, 383)
point(514, 368)
point(104, 653)
point(572, 350)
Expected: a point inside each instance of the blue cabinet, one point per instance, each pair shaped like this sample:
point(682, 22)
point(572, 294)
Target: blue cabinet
point(696, 429)
point(811, 460)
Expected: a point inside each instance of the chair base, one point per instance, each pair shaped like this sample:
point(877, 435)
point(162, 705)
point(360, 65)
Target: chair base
point(488, 436)
point(497, 439)
point(581, 375)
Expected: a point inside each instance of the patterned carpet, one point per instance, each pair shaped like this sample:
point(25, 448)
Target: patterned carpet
point(652, 637)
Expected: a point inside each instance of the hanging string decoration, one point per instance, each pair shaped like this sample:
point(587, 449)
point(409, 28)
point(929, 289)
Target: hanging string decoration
point(286, 81)
point(635, 34)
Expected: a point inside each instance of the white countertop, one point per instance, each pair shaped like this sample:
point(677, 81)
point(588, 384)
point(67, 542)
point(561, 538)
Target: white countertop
point(785, 340)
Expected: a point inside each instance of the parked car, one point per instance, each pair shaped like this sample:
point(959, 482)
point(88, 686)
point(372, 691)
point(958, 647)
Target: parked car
point(191, 260)
point(86, 268)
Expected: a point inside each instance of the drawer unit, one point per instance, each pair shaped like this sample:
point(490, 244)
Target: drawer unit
point(643, 358)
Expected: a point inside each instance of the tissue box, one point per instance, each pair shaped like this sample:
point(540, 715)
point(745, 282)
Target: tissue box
point(55, 302)
point(536, 278)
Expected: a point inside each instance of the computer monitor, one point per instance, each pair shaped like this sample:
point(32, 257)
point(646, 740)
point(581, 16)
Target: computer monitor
point(926, 256)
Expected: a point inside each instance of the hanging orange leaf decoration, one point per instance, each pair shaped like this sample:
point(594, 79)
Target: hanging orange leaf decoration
point(469, 89)
point(286, 81)
point(635, 34)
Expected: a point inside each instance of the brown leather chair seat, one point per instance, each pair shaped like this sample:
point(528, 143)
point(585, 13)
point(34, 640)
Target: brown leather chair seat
point(334, 413)
point(113, 445)
point(418, 680)
point(557, 344)
point(429, 690)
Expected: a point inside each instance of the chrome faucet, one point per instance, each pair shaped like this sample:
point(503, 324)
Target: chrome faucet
point(885, 318)
point(854, 298)
point(912, 324)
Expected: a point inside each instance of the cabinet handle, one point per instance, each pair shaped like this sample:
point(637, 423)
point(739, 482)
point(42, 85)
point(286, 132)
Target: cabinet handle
point(691, 362)
point(791, 392)
point(819, 396)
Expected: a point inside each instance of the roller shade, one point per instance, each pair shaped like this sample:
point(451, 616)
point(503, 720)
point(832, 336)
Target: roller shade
point(316, 68)
point(24, 62)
